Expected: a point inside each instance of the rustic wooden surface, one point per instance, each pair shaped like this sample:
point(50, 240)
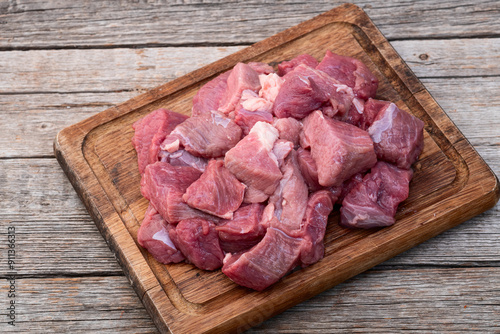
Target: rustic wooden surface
point(62, 63)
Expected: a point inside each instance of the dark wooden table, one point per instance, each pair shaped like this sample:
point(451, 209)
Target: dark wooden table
point(61, 62)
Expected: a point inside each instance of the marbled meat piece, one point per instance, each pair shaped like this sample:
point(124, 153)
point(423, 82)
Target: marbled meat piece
point(217, 191)
point(150, 131)
point(306, 89)
point(373, 202)
point(271, 85)
point(183, 158)
point(264, 264)
point(209, 135)
point(261, 68)
point(339, 150)
point(252, 109)
point(319, 207)
point(288, 65)
point(289, 129)
point(208, 98)
point(287, 205)
point(199, 242)
point(243, 231)
point(398, 137)
point(242, 77)
point(154, 236)
point(308, 169)
point(163, 185)
point(351, 72)
point(253, 162)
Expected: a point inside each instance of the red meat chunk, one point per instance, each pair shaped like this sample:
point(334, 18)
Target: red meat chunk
point(242, 77)
point(243, 231)
point(199, 242)
point(288, 65)
point(217, 191)
point(374, 201)
point(398, 137)
point(289, 129)
point(164, 185)
point(209, 96)
point(339, 150)
point(154, 236)
point(253, 162)
point(150, 131)
point(209, 135)
point(263, 265)
point(306, 89)
point(351, 72)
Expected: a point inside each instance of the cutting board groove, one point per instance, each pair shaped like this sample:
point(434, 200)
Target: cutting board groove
point(451, 184)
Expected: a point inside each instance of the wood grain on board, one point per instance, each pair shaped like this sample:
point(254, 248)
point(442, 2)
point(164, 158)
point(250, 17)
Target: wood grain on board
point(99, 160)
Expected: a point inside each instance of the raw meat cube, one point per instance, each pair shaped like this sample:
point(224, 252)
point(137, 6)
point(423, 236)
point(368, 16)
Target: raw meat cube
point(289, 129)
point(263, 265)
point(288, 65)
point(251, 110)
point(163, 185)
point(306, 89)
point(209, 135)
point(208, 98)
point(153, 235)
point(351, 72)
point(261, 68)
point(183, 158)
point(308, 169)
point(242, 77)
point(398, 137)
point(217, 191)
point(339, 150)
point(243, 231)
point(150, 132)
point(271, 85)
point(199, 242)
point(253, 162)
point(313, 227)
point(287, 205)
point(374, 201)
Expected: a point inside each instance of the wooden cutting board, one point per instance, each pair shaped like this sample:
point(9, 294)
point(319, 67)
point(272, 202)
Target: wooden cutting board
point(451, 184)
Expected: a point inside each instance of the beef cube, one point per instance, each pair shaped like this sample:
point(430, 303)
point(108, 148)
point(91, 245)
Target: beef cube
point(339, 150)
point(183, 158)
point(398, 137)
point(306, 89)
point(253, 162)
point(243, 231)
point(163, 185)
point(199, 242)
point(348, 185)
point(150, 131)
point(209, 96)
point(374, 201)
point(271, 85)
point(287, 204)
point(252, 109)
point(263, 265)
point(217, 191)
point(242, 77)
point(351, 72)
point(209, 135)
point(288, 65)
point(261, 68)
point(319, 206)
point(289, 129)
point(154, 236)
point(308, 169)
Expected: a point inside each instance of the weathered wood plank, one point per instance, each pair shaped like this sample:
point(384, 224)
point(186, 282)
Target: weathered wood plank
point(98, 70)
point(76, 305)
point(29, 24)
point(424, 300)
point(54, 230)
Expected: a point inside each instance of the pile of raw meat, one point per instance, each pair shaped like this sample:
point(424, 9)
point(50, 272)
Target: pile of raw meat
point(247, 183)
